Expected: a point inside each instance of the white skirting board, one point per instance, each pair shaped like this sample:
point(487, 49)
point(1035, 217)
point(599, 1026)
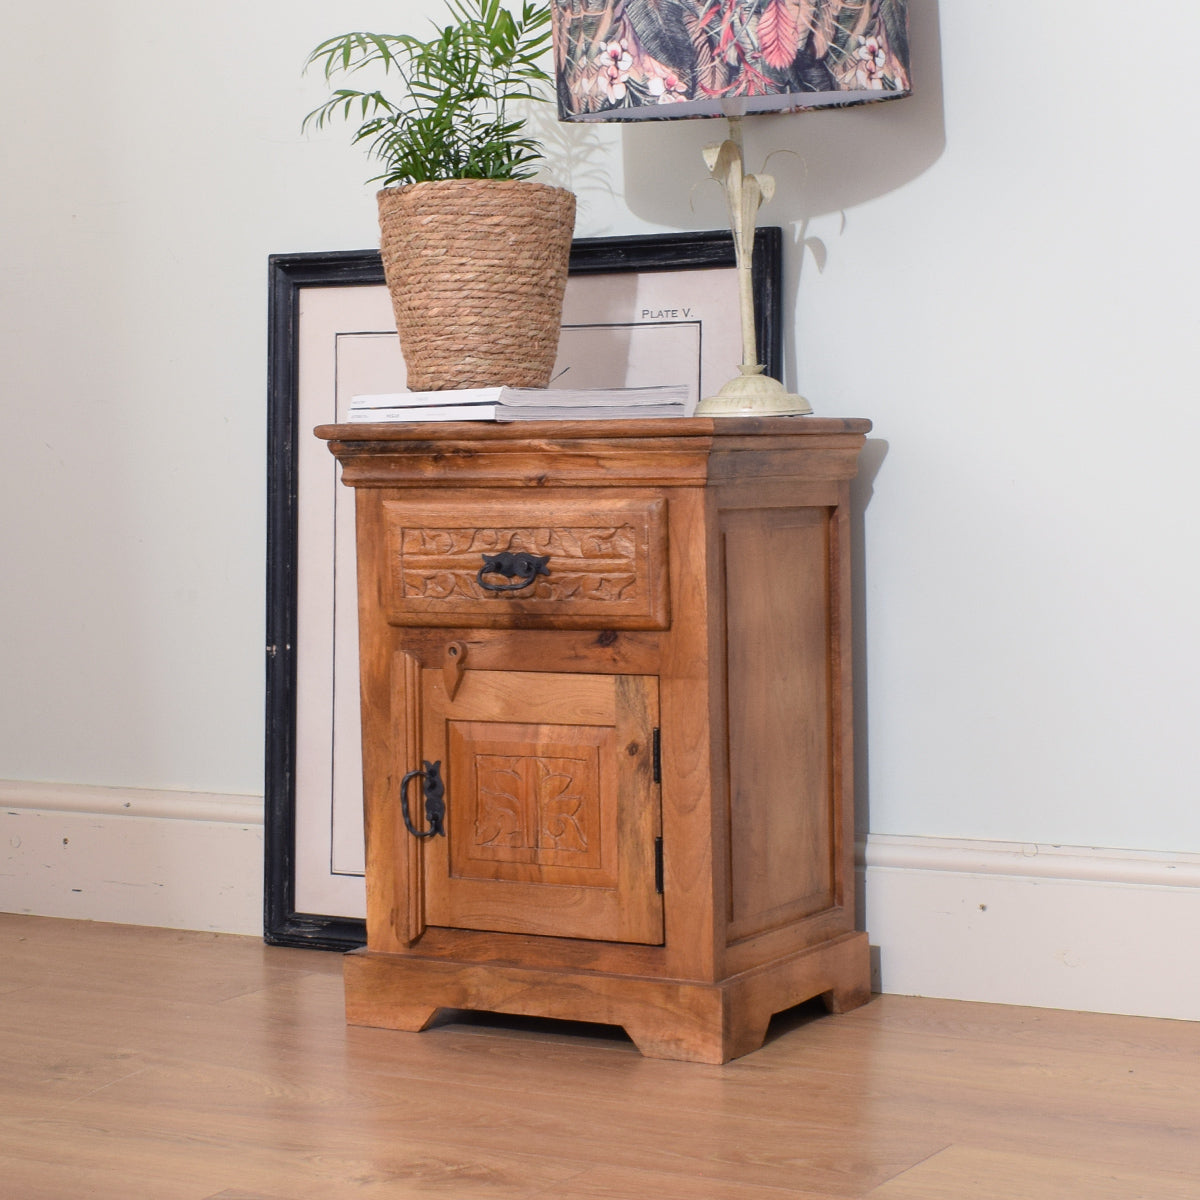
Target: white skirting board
point(1044, 926)
point(1114, 931)
point(180, 860)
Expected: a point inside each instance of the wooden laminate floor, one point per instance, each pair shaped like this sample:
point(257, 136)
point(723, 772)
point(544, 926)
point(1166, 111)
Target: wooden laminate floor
point(152, 1064)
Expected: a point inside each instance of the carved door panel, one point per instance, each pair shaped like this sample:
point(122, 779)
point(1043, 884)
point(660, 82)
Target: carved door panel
point(552, 809)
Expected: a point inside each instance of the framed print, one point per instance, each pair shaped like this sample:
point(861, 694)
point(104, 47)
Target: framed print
point(658, 308)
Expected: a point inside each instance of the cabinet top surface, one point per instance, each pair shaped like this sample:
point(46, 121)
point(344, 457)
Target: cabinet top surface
point(674, 452)
point(709, 430)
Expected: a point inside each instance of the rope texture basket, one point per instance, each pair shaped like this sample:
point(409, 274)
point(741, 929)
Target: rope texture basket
point(476, 270)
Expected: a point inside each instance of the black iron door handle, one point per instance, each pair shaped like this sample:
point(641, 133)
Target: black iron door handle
point(435, 804)
point(519, 566)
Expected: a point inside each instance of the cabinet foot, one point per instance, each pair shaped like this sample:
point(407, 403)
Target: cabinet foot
point(372, 1000)
point(405, 1018)
point(846, 999)
point(695, 1041)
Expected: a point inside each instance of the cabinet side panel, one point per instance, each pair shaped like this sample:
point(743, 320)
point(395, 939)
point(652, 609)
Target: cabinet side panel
point(779, 632)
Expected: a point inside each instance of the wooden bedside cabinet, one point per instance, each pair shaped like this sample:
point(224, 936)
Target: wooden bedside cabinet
point(606, 698)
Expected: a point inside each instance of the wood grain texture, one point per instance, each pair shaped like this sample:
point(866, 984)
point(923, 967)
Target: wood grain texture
point(779, 680)
point(606, 557)
point(697, 575)
point(540, 454)
point(551, 805)
point(696, 1022)
point(179, 1066)
point(995, 1175)
point(390, 864)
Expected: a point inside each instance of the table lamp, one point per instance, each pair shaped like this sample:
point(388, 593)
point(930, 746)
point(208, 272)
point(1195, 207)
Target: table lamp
point(630, 60)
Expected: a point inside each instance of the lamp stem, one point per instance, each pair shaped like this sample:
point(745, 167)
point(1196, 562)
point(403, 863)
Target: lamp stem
point(742, 224)
point(753, 392)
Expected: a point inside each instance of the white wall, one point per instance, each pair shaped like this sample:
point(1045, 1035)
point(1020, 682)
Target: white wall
point(1034, 582)
point(999, 272)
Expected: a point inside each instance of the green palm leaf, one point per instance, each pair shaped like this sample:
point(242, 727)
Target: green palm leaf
point(452, 121)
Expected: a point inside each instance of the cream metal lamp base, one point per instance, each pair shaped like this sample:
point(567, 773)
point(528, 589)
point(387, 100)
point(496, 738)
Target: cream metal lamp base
point(753, 394)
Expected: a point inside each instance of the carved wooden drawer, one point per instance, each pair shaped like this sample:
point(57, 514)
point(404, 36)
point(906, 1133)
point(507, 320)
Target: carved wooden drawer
point(575, 561)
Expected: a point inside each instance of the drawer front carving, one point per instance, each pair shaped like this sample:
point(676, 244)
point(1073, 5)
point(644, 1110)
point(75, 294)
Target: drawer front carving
point(528, 562)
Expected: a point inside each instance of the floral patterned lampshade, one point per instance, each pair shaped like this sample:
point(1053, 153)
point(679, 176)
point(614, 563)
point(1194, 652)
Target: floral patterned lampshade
point(649, 59)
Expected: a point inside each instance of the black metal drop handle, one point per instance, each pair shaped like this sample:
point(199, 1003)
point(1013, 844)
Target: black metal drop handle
point(435, 804)
point(521, 566)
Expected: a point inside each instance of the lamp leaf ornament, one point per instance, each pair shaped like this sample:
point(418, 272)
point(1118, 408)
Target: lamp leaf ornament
point(744, 195)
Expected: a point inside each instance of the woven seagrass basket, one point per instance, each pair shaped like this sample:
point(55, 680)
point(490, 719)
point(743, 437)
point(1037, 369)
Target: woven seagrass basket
point(476, 270)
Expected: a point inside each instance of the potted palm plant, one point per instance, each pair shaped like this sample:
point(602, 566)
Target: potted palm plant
point(474, 252)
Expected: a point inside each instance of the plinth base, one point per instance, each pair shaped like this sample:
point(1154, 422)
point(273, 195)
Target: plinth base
point(666, 1018)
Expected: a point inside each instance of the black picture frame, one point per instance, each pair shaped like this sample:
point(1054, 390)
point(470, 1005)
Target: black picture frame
point(288, 276)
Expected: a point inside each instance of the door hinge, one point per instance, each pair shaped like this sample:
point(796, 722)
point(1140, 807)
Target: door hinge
point(656, 756)
point(658, 866)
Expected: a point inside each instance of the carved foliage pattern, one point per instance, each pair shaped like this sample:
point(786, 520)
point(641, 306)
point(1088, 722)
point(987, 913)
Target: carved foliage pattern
point(586, 563)
point(535, 805)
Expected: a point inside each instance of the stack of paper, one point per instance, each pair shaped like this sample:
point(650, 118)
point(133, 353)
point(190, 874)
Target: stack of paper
point(522, 404)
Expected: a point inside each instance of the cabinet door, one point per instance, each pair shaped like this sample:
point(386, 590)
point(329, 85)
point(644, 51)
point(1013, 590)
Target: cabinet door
point(552, 809)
